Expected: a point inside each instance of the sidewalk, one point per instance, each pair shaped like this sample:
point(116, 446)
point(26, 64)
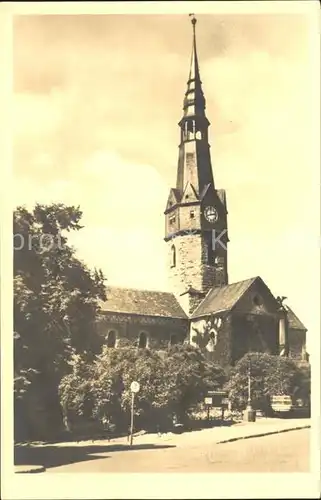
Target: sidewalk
point(216, 435)
point(28, 469)
point(225, 434)
point(204, 438)
point(262, 427)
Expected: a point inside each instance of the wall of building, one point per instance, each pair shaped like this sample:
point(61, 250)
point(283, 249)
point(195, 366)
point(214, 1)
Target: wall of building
point(297, 344)
point(254, 332)
point(191, 267)
point(236, 333)
point(200, 335)
point(129, 327)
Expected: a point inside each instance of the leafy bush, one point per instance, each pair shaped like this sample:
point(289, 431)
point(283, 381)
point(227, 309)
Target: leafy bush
point(270, 375)
point(169, 385)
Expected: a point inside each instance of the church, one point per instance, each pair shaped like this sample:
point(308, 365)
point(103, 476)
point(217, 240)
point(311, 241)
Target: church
point(226, 320)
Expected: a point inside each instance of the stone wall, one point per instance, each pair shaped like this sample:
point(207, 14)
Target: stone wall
point(128, 327)
point(297, 344)
point(213, 335)
point(254, 332)
point(191, 264)
point(222, 353)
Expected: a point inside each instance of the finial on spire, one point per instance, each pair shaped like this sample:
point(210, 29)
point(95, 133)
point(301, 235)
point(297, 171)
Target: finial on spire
point(194, 20)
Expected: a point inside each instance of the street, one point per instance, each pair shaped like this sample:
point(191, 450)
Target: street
point(284, 452)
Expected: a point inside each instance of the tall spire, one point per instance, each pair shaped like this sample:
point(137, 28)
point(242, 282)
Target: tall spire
point(194, 73)
point(194, 102)
point(195, 208)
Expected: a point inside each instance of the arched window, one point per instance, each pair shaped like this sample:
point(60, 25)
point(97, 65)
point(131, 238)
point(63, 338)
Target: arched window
point(173, 256)
point(111, 339)
point(142, 341)
point(213, 336)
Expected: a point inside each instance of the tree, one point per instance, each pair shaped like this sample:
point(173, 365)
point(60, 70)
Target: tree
point(56, 300)
point(188, 377)
point(105, 386)
point(270, 375)
point(169, 385)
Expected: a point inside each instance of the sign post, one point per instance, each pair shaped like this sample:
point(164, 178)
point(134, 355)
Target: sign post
point(134, 387)
point(249, 413)
point(208, 403)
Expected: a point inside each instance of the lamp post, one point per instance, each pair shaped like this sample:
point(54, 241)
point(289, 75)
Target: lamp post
point(249, 414)
point(249, 400)
point(134, 388)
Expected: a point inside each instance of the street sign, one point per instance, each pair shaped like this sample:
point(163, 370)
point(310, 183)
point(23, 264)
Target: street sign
point(217, 398)
point(281, 403)
point(134, 386)
point(208, 401)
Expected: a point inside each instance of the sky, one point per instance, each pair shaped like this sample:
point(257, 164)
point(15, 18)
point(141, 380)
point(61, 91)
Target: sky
point(97, 100)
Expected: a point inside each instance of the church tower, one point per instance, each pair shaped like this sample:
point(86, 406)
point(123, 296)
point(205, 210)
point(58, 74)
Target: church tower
point(196, 214)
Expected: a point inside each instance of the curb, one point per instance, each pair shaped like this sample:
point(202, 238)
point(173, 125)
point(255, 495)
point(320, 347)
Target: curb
point(29, 469)
point(269, 433)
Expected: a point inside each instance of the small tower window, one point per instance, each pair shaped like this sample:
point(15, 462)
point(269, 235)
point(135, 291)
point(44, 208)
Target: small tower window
point(198, 135)
point(190, 126)
point(192, 214)
point(172, 219)
point(173, 256)
point(142, 341)
point(111, 339)
point(219, 262)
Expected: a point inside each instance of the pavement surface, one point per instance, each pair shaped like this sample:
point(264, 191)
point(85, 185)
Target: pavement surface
point(277, 445)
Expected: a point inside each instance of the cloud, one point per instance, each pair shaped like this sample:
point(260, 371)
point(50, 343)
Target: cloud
point(96, 112)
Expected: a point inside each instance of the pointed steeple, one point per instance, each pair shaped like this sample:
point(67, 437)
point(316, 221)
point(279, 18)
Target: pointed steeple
point(194, 73)
point(194, 163)
point(194, 102)
point(195, 209)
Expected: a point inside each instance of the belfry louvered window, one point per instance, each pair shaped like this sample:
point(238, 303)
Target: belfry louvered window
point(173, 256)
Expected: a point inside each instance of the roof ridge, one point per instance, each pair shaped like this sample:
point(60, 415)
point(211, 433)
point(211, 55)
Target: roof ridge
point(248, 283)
point(241, 281)
point(137, 289)
point(295, 317)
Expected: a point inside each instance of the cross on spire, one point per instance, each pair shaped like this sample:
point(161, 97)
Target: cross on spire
point(194, 69)
point(194, 20)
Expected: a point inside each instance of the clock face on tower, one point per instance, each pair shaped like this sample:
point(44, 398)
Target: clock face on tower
point(210, 214)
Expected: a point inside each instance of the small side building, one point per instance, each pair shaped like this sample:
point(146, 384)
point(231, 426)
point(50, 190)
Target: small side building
point(296, 337)
point(147, 319)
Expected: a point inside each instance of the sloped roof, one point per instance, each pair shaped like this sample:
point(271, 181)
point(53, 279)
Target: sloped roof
point(293, 320)
point(142, 302)
point(222, 196)
point(222, 298)
point(177, 193)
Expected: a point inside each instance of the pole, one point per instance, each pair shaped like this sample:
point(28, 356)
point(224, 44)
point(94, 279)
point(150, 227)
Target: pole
point(249, 391)
point(132, 419)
